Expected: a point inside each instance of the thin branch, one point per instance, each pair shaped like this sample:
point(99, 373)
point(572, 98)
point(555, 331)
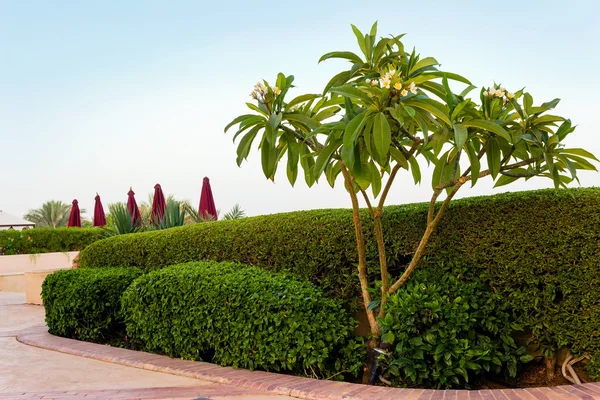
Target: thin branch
point(425, 239)
point(362, 257)
point(387, 187)
point(481, 153)
point(314, 146)
point(487, 172)
point(368, 202)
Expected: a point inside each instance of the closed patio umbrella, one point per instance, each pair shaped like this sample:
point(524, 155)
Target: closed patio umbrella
point(207, 202)
point(158, 205)
point(75, 216)
point(99, 217)
point(134, 211)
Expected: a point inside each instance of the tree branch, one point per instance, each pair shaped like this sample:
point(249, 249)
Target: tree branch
point(362, 256)
point(425, 239)
point(487, 172)
point(314, 146)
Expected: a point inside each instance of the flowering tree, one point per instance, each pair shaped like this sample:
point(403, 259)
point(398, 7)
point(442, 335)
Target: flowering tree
point(390, 109)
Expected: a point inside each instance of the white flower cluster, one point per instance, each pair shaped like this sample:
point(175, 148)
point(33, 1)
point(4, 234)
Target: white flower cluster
point(260, 92)
point(392, 79)
point(499, 92)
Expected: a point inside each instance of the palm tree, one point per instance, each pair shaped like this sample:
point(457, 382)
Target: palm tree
point(52, 214)
point(236, 212)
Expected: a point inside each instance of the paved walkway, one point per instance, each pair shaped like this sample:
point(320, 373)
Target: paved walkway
point(32, 373)
point(75, 369)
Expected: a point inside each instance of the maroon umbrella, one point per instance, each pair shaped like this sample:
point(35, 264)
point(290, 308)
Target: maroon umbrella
point(134, 211)
point(207, 203)
point(158, 205)
point(75, 217)
point(99, 217)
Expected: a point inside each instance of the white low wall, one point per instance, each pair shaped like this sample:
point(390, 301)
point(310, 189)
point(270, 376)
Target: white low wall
point(33, 262)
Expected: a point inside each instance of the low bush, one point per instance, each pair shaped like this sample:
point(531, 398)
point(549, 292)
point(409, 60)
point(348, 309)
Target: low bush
point(47, 240)
point(86, 303)
point(539, 249)
point(242, 317)
point(444, 332)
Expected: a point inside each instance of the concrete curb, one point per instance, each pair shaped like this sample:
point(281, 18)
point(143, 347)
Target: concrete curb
point(295, 386)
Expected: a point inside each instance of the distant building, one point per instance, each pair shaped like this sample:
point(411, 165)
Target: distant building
point(8, 221)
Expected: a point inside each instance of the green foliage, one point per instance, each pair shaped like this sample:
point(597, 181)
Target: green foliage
point(119, 221)
point(539, 249)
point(47, 240)
point(392, 106)
point(174, 215)
point(241, 316)
point(236, 212)
point(443, 332)
point(593, 368)
point(86, 303)
point(52, 214)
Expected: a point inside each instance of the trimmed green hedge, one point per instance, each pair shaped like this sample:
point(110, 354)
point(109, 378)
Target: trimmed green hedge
point(242, 317)
point(539, 249)
point(86, 303)
point(47, 240)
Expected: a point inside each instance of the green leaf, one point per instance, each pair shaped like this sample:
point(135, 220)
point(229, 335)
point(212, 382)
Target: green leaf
point(373, 304)
point(302, 99)
point(352, 93)
point(458, 109)
point(237, 121)
point(324, 157)
point(454, 77)
point(360, 39)
point(303, 119)
point(460, 135)
point(488, 126)
point(382, 136)
point(525, 358)
point(254, 107)
point(579, 152)
point(268, 159)
point(361, 171)
point(375, 180)
point(245, 145)
point(399, 157)
point(347, 55)
point(388, 337)
point(467, 90)
point(475, 163)
point(415, 169)
point(337, 80)
point(438, 109)
point(493, 156)
point(505, 180)
point(352, 130)
point(527, 103)
point(425, 62)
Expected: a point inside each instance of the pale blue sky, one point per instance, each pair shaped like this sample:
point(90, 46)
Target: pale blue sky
point(98, 96)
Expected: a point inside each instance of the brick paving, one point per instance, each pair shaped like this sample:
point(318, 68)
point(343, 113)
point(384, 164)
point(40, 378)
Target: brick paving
point(294, 386)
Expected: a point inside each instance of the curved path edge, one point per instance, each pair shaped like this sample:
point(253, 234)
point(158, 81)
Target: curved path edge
point(295, 386)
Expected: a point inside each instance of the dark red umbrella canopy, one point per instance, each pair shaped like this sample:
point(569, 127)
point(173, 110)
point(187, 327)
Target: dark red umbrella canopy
point(134, 211)
point(99, 217)
point(75, 217)
point(158, 205)
point(207, 203)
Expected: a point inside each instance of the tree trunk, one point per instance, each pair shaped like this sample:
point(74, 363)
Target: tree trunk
point(550, 368)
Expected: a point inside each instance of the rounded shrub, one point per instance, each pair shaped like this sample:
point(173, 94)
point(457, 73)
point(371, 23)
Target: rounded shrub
point(86, 303)
point(241, 316)
point(444, 332)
